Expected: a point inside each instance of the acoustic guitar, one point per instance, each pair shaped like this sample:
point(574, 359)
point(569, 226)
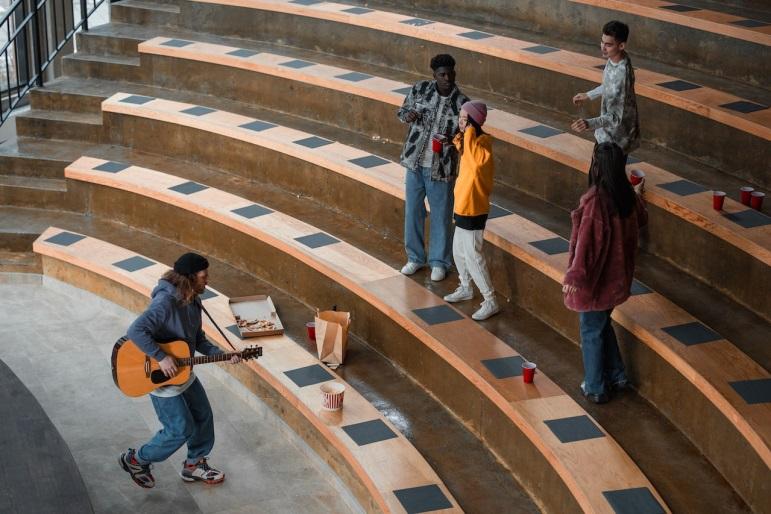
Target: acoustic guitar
point(135, 373)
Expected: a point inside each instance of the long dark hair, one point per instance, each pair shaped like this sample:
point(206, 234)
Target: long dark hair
point(607, 172)
point(184, 284)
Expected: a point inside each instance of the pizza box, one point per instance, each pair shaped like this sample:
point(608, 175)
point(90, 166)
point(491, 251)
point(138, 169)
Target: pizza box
point(256, 308)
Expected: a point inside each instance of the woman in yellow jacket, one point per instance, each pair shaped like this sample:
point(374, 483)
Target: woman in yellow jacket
point(472, 205)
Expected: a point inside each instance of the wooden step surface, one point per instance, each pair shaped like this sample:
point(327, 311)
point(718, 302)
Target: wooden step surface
point(389, 469)
point(398, 297)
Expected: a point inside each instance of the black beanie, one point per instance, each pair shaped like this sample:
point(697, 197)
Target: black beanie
point(190, 264)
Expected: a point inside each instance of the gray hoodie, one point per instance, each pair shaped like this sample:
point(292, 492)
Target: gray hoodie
point(165, 320)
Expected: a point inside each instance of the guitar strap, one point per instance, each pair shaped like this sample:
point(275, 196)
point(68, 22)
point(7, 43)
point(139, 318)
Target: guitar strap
point(217, 326)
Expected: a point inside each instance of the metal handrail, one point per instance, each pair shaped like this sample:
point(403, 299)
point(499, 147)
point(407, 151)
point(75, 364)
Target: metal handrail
point(36, 33)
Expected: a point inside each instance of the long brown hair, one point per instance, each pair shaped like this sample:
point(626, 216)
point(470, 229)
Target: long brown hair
point(607, 173)
point(184, 284)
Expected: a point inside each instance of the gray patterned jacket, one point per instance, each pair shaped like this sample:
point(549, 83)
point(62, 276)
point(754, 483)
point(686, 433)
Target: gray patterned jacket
point(618, 121)
point(425, 99)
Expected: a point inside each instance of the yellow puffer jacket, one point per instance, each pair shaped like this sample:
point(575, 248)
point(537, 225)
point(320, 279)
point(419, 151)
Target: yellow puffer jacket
point(475, 178)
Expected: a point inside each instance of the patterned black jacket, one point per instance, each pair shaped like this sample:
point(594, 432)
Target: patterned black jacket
point(425, 99)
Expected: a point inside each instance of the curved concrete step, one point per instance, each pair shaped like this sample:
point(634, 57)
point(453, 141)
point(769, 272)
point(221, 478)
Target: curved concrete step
point(729, 37)
point(687, 214)
point(481, 485)
point(520, 69)
point(381, 474)
point(506, 407)
point(515, 239)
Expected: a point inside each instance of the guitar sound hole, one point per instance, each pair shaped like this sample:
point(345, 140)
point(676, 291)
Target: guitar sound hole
point(157, 377)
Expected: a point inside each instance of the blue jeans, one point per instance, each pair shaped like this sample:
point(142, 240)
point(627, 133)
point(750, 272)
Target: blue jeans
point(440, 201)
point(602, 360)
point(186, 418)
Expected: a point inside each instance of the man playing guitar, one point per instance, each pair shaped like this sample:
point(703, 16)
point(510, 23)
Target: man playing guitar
point(183, 410)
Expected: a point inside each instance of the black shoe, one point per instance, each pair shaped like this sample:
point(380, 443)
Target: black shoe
point(594, 398)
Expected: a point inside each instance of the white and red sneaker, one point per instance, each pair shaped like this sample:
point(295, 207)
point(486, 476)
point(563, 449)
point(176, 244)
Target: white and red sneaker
point(201, 472)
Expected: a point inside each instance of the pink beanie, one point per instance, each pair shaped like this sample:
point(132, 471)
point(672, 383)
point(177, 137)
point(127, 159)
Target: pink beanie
point(476, 110)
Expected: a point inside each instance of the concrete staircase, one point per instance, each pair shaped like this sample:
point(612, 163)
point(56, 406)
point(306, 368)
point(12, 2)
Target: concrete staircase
point(66, 121)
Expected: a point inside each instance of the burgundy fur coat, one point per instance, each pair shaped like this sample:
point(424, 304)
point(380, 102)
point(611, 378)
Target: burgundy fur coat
point(602, 252)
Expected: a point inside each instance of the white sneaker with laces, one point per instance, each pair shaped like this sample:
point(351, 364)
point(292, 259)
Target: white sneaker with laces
point(410, 268)
point(460, 294)
point(438, 273)
point(487, 309)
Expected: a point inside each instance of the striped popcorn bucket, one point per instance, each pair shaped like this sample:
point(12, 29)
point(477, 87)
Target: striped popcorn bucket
point(332, 396)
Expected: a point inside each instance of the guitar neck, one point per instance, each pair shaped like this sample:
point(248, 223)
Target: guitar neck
point(205, 359)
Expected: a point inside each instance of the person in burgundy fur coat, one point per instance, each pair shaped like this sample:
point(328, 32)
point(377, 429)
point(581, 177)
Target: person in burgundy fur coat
point(603, 243)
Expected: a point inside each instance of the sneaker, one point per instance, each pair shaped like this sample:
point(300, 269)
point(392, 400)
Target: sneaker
point(460, 294)
point(594, 398)
point(620, 386)
point(410, 268)
point(201, 472)
point(487, 309)
point(140, 473)
point(438, 273)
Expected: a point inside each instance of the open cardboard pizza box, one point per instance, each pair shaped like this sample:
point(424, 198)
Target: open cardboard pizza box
point(257, 308)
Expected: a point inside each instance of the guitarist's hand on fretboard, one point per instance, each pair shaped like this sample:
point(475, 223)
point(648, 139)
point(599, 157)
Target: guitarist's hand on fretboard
point(235, 359)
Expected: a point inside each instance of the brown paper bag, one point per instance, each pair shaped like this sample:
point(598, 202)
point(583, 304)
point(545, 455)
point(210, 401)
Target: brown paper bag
point(332, 336)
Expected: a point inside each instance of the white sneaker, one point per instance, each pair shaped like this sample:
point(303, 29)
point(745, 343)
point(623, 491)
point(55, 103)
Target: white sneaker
point(460, 294)
point(487, 309)
point(438, 273)
point(410, 268)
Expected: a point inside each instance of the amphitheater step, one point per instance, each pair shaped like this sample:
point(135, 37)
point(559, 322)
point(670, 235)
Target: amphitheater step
point(382, 171)
point(562, 24)
point(519, 69)
point(481, 484)
point(145, 13)
point(19, 262)
point(229, 202)
point(60, 125)
point(311, 210)
point(114, 67)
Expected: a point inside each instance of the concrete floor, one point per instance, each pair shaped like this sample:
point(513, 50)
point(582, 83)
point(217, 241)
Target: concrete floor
point(64, 362)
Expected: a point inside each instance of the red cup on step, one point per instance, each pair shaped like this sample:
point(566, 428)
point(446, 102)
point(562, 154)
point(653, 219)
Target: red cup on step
point(437, 142)
point(311, 328)
point(636, 176)
point(756, 200)
point(528, 372)
point(718, 197)
point(745, 193)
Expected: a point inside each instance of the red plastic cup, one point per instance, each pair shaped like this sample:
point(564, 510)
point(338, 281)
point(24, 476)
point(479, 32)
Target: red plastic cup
point(756, 200)
point(718, 197)
point(636, 176)
point(528, 371)
point(437, 141)
point(745, 193)
point(311, 328)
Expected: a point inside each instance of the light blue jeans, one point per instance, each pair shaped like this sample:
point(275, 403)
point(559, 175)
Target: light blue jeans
point(602, 359)
point(186, 418)
point(440, 200)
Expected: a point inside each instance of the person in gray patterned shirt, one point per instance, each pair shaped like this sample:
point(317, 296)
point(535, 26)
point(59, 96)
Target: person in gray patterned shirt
point(431, 107)
point(618, 122)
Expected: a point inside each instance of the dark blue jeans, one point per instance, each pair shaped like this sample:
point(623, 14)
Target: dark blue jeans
point(186, 418)
point(602, 360)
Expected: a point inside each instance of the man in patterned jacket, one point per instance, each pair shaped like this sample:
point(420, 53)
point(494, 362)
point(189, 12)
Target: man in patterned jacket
point(431, 107)
point(617, 122)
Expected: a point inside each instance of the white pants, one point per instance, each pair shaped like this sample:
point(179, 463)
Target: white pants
point(467, 252)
